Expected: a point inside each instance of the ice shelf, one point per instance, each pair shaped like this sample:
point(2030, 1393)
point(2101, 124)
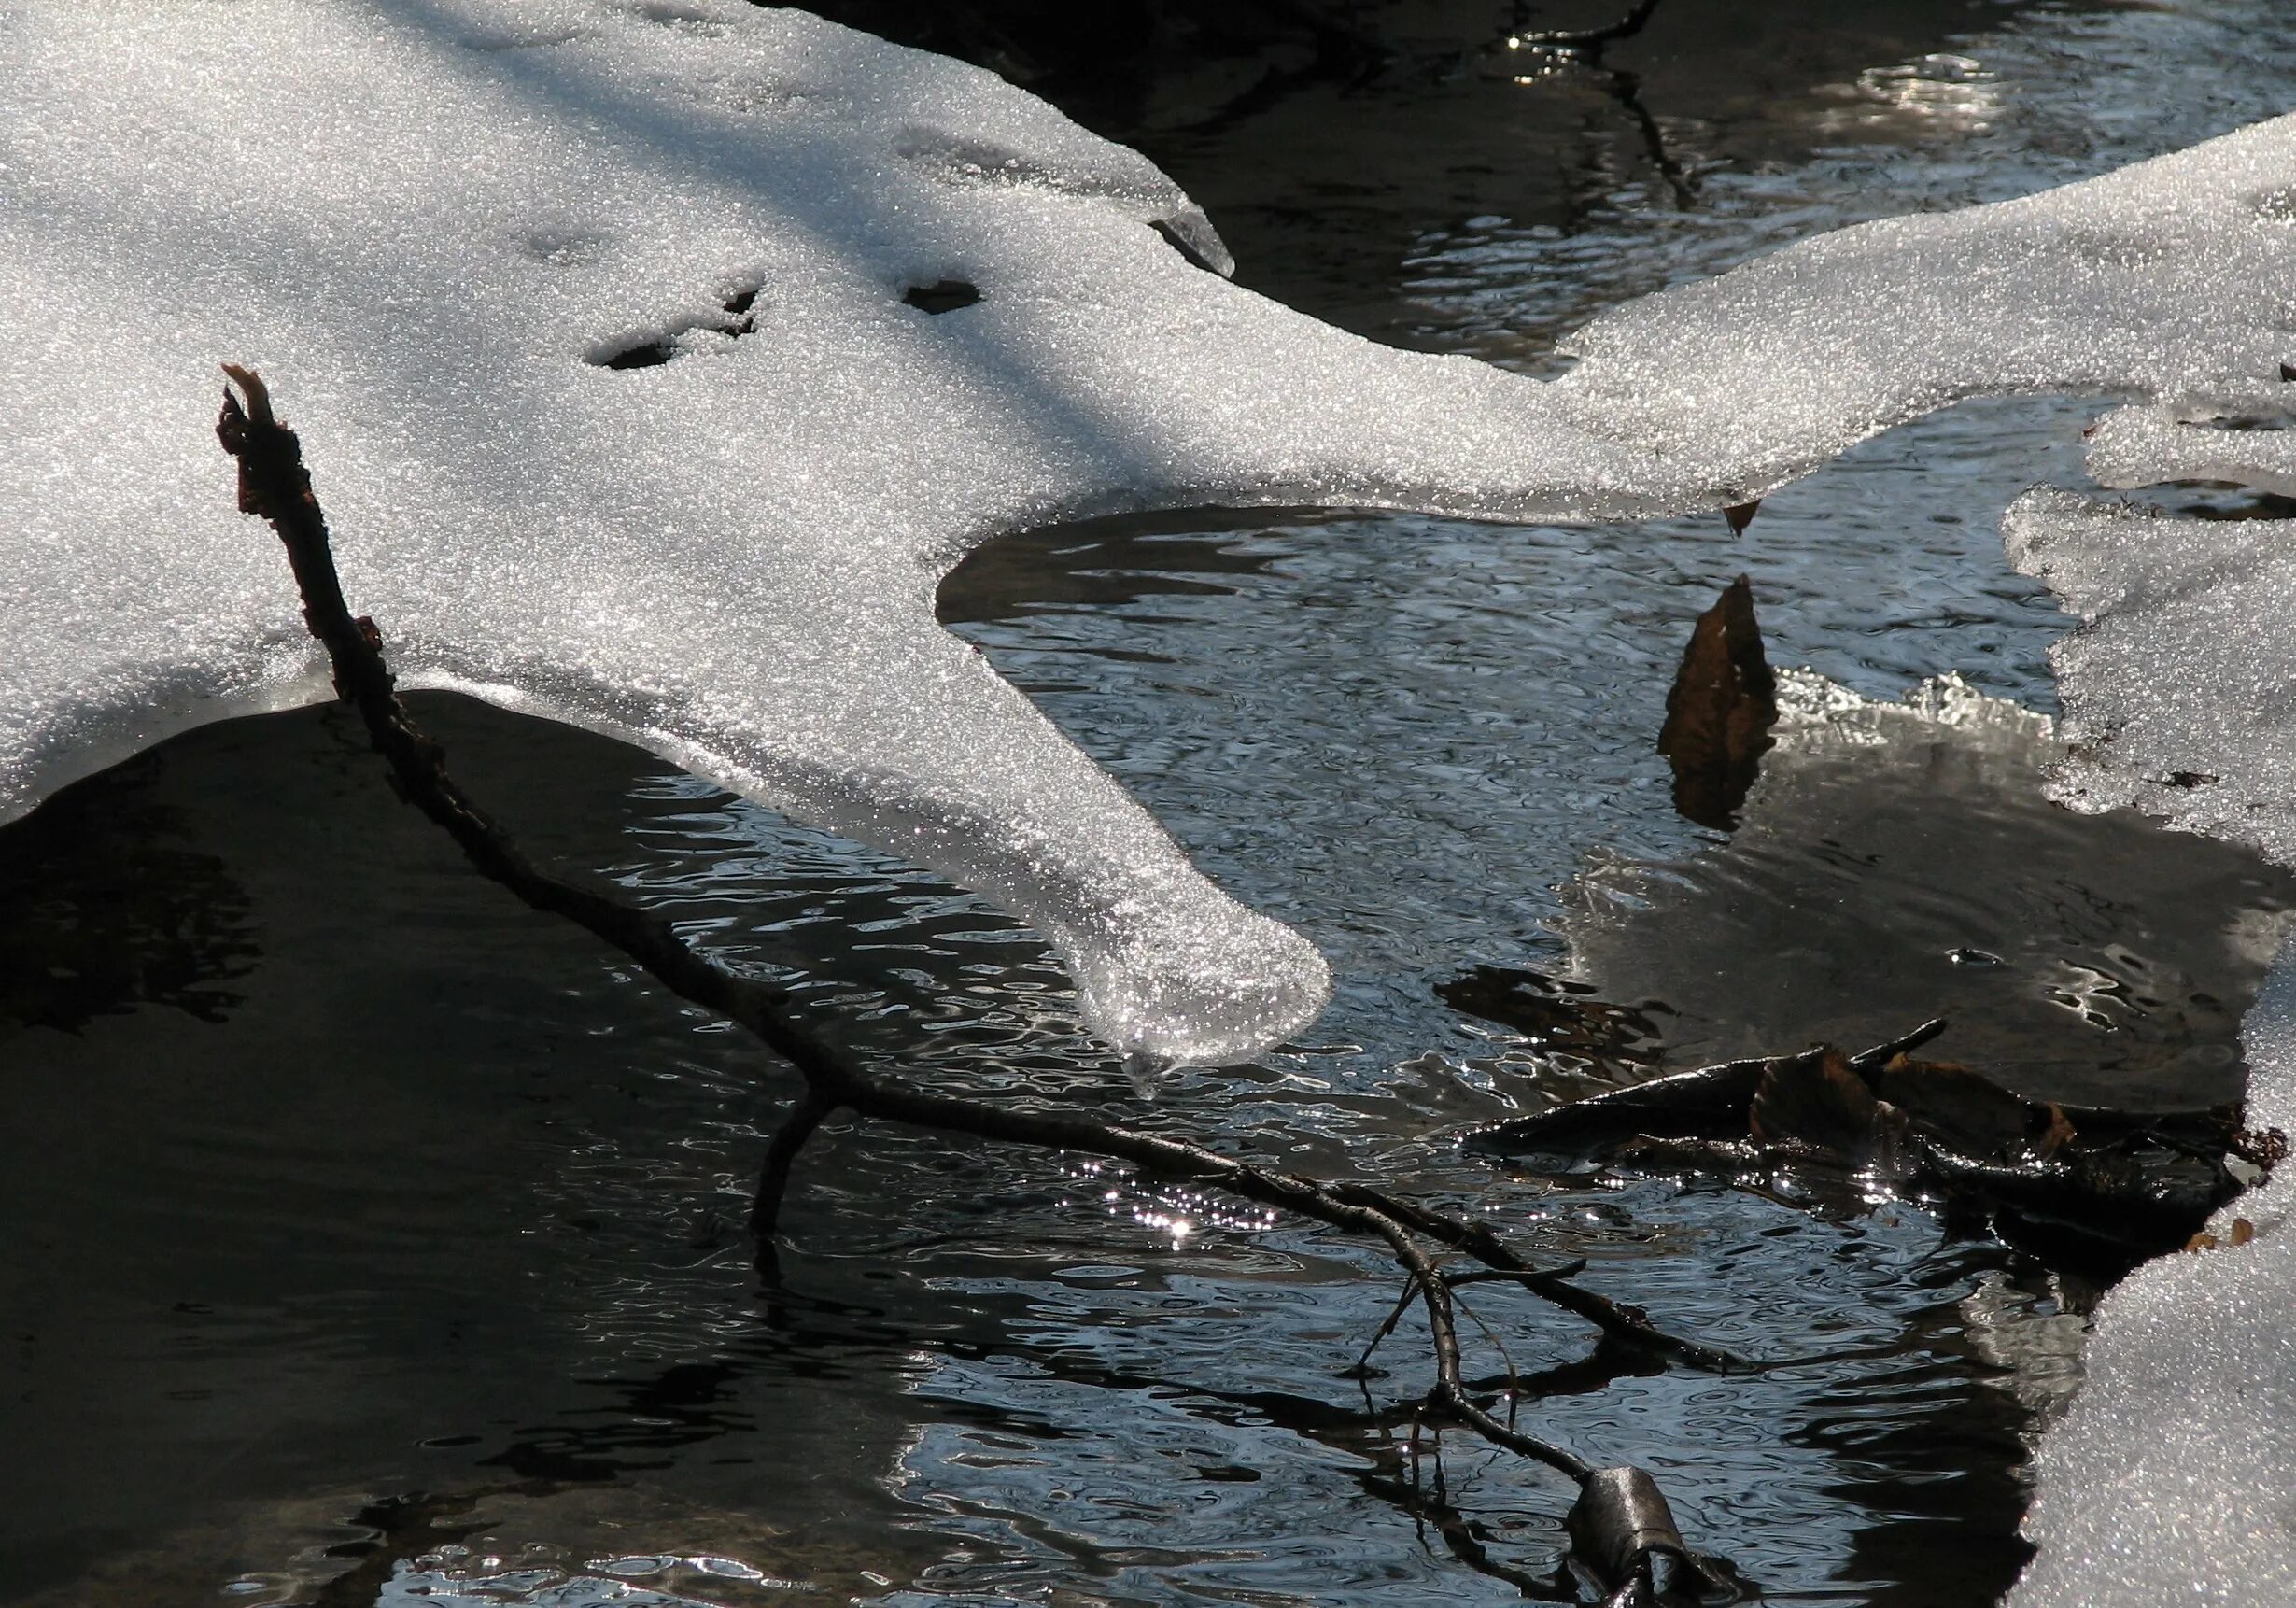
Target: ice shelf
point(596, 317)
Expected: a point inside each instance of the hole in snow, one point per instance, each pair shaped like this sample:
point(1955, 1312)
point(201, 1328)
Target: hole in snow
point(942, 295)
point(738, 319)
point(685, 19)
point(644, 356)
point(2277, 206)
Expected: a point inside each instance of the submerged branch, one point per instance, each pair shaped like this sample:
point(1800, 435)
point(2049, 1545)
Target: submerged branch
point(1584, 41)
point(274, 484)
point(1583, 47)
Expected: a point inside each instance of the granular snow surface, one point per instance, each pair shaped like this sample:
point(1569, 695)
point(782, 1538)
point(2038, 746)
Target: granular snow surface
point(2171, 1482)
point(597, 319)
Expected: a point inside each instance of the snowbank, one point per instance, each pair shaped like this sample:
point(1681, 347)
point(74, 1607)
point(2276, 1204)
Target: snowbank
point(2174, 1480)
point(594, 317)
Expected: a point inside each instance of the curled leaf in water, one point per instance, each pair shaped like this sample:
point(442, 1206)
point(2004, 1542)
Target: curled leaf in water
point(1719, 711)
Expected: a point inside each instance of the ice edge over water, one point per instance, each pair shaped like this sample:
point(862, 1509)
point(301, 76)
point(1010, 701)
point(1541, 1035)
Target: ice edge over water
point(594, 318)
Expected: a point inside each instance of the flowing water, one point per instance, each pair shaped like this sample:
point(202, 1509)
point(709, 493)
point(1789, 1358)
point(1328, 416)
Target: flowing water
point(374, 1240)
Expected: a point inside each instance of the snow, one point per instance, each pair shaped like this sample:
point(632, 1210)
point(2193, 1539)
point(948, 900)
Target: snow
point(2171, 1480)
point(2180, 689)
point(431, 223)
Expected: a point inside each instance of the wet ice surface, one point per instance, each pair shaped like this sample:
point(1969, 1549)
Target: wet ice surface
point(1879, 836)
point(267, 1294)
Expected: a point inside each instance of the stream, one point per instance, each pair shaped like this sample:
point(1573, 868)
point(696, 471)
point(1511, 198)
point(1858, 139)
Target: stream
point(377, 1241)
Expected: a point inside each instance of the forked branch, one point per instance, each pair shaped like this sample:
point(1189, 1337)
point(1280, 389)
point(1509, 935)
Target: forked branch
point(274, 484)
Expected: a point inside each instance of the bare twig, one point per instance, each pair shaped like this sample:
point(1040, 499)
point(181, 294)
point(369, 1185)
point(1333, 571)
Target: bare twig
point(1881, 1054)
point(274, 484)
point(1362, 1369)
point(1621, 1322)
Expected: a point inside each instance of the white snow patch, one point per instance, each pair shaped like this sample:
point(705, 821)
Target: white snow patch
point(2181, 689)
point(432, 222)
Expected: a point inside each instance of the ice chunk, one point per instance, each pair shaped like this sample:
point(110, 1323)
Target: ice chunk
point(2092, 961)
point(596, 317)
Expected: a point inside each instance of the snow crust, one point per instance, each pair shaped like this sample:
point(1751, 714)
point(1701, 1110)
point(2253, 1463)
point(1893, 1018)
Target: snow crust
point(433, 224)
point(2172, 1480)
point(2170, 278)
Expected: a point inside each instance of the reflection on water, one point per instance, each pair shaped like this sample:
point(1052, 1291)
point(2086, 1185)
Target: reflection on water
point(106, 909)
point(1881, 839)
point(417, 1279)
point(1067, 568)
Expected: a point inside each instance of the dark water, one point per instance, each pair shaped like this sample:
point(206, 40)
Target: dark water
point(376, 1241)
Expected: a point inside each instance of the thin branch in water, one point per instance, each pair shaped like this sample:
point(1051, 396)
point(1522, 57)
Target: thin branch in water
point(1363, 1369)
point(1586, 42)
point(1619, 1321)
point(805, 1116)
point(1583, 47)
point(1506, 1358)
point(1625, 89)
